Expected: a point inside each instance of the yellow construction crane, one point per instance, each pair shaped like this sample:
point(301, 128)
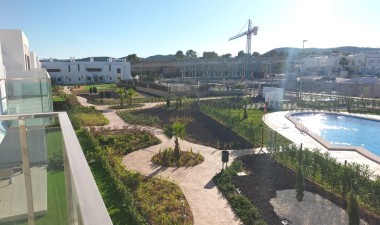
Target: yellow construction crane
point(251, 30)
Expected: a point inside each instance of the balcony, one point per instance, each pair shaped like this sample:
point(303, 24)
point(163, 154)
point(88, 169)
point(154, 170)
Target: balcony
point(44, 176)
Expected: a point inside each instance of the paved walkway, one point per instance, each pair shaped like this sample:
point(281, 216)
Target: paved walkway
point(277, 121)
point(206, 203)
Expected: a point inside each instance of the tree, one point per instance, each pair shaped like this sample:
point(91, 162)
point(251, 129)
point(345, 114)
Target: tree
point(210, 55)
point(245, 102)
point(122, 95)
point(133, 58)
point(179, 55)
point(255, 54)
point(241, 54)
point(353, 209)
point(177, 130)
point(167, 103)
point(191, 53)
point(130, 94)
point(300, 184)
point(228, 55)
point(343, 62)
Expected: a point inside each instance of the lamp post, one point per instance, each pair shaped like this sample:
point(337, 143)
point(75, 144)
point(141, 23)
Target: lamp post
point(303, 47)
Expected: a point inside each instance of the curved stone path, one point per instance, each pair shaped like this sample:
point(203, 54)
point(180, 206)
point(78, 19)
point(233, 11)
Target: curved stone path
point(208, 206)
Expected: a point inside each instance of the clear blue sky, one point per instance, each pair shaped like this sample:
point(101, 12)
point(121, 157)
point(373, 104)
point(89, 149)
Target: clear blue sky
point(116, 28)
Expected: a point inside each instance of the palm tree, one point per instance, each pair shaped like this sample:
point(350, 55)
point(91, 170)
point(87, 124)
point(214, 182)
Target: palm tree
point(245, 102)
point(130, 94)
point(343, 62)
point(122, 95)
point(177, 130)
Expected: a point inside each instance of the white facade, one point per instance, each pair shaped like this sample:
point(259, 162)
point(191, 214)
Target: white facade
point(88, 72)
point(15, 50)
point(24, 86)
point(362, 63)
point(273, 96)
point(3, 93)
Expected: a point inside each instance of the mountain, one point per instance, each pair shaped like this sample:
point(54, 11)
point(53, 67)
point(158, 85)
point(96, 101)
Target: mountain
point(161, 58)
point(323, 51)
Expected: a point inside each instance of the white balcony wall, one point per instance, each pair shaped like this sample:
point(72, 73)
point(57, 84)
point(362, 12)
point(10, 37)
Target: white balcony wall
point(15, 50)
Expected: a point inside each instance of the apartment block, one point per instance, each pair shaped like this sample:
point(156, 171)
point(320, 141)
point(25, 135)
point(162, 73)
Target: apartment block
point(44, 176)
point(69, 72)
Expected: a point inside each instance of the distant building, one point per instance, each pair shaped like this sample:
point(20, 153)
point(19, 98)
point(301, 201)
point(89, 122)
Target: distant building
point(363, 63)
point(88, 72)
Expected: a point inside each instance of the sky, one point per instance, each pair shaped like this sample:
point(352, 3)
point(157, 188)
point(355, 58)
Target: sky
point(117, 28)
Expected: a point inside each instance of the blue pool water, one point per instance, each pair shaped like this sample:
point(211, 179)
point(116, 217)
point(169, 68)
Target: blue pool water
point(344, 130)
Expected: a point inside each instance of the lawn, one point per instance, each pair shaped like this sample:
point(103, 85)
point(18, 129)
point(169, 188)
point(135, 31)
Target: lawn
point(56, 190)
point(254, 116)
point(100, 87)
point(58, 99)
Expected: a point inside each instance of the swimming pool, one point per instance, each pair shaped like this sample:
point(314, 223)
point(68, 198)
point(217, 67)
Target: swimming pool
point(343, 130)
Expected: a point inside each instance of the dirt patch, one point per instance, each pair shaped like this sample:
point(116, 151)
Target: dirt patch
point(268, 176)
point(202, 129)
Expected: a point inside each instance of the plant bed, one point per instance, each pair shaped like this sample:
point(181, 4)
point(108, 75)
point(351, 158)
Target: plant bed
point(200, 129)
point(187, 158)
point(267, 177)
point(130, 197)
point(126, 106)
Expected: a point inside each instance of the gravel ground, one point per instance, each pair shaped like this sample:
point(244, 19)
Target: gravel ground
point(308, 211)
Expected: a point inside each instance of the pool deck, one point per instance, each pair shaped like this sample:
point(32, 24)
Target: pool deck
point(278, 121)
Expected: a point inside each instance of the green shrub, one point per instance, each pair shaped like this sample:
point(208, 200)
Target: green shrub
point(187, 158)
point(242, 206)
point(146, 120)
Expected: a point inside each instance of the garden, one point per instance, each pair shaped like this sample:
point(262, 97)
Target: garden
point(128, 195)
point(323, 174)
point(201, 128)
point(229, 124)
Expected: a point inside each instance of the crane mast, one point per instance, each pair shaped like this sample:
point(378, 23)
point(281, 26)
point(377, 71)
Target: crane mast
point(251, 30)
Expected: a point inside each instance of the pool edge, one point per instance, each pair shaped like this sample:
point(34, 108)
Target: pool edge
point(330, 147)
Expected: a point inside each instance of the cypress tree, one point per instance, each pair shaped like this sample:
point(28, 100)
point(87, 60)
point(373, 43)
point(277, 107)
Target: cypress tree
point(353, 209)
point(300, 184)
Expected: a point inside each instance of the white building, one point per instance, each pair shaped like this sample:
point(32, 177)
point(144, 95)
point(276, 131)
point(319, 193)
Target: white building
point(24, 85)
point(27, 151)
point(361, 63)
point(88, 72)
point(273, 96)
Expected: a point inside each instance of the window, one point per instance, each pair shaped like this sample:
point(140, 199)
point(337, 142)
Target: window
point(100, 78)
point(69, 68)
point(53, 70)
point(110, 78)
point(94, 69)
point(88, 78)
point(109, 67)
point(79, 78)
point(118, 70)
point(69, 79)
point(27, 62)
point(78, 68)
point(58, 79)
